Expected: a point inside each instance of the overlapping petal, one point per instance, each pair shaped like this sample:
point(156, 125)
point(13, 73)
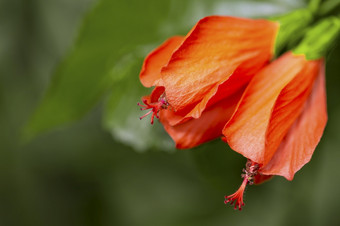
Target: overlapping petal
point(274, 101)
point(215, 48)
point(297, 147)
point(202, 73)
point(150, 74)
point(194, 132)
point(215, 59)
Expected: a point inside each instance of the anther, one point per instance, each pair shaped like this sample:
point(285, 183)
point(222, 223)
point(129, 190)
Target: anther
point(154, 107)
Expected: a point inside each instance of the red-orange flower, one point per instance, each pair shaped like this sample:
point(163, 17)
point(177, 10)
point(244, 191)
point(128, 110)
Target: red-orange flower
point(199, 78)
point(280, 118)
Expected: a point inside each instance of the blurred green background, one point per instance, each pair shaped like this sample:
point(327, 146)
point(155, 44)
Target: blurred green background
point(77, 62)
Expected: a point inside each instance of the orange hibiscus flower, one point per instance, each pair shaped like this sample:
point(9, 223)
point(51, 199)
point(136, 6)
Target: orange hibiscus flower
point(200, 78)
point(279, 120)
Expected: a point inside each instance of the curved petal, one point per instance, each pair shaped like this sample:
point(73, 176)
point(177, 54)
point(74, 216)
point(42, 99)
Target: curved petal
point(150, 74)
point(236, 83)
point(299, 144)
point(246, 130)
point(155, 94)
point(215, 48)
point(197, 131)
point(289, 106)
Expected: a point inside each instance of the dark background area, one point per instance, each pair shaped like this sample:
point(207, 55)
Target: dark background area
point(77, 174)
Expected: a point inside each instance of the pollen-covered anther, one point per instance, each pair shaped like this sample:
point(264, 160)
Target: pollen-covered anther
point(248, 175)
point(154, 107)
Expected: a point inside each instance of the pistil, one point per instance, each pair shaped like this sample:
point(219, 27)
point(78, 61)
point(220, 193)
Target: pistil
point(248, 176)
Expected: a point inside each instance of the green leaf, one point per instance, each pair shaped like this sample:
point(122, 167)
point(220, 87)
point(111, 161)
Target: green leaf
point(112, 29)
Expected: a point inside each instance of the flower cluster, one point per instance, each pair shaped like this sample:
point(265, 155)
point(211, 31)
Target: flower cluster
point(221, 80)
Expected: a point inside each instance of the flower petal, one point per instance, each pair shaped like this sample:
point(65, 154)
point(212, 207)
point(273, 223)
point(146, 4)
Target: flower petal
point(155, 94)
point(260, 178)
point(151, 69)
point(215, 48)
point(289, 106)
point(300, 142)
point(197, 131)
point(246, 130)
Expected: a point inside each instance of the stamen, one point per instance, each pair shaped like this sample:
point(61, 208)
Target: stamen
point(248, 176)
point(154, 107)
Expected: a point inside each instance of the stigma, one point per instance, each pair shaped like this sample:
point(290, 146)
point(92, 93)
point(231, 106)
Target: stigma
point(154, 108)
point(248, 177)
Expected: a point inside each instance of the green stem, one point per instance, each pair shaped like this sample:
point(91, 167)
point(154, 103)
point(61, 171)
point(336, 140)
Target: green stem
point(292, 28)
point(319, 39)
point(328, 8)
point(314, 5)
